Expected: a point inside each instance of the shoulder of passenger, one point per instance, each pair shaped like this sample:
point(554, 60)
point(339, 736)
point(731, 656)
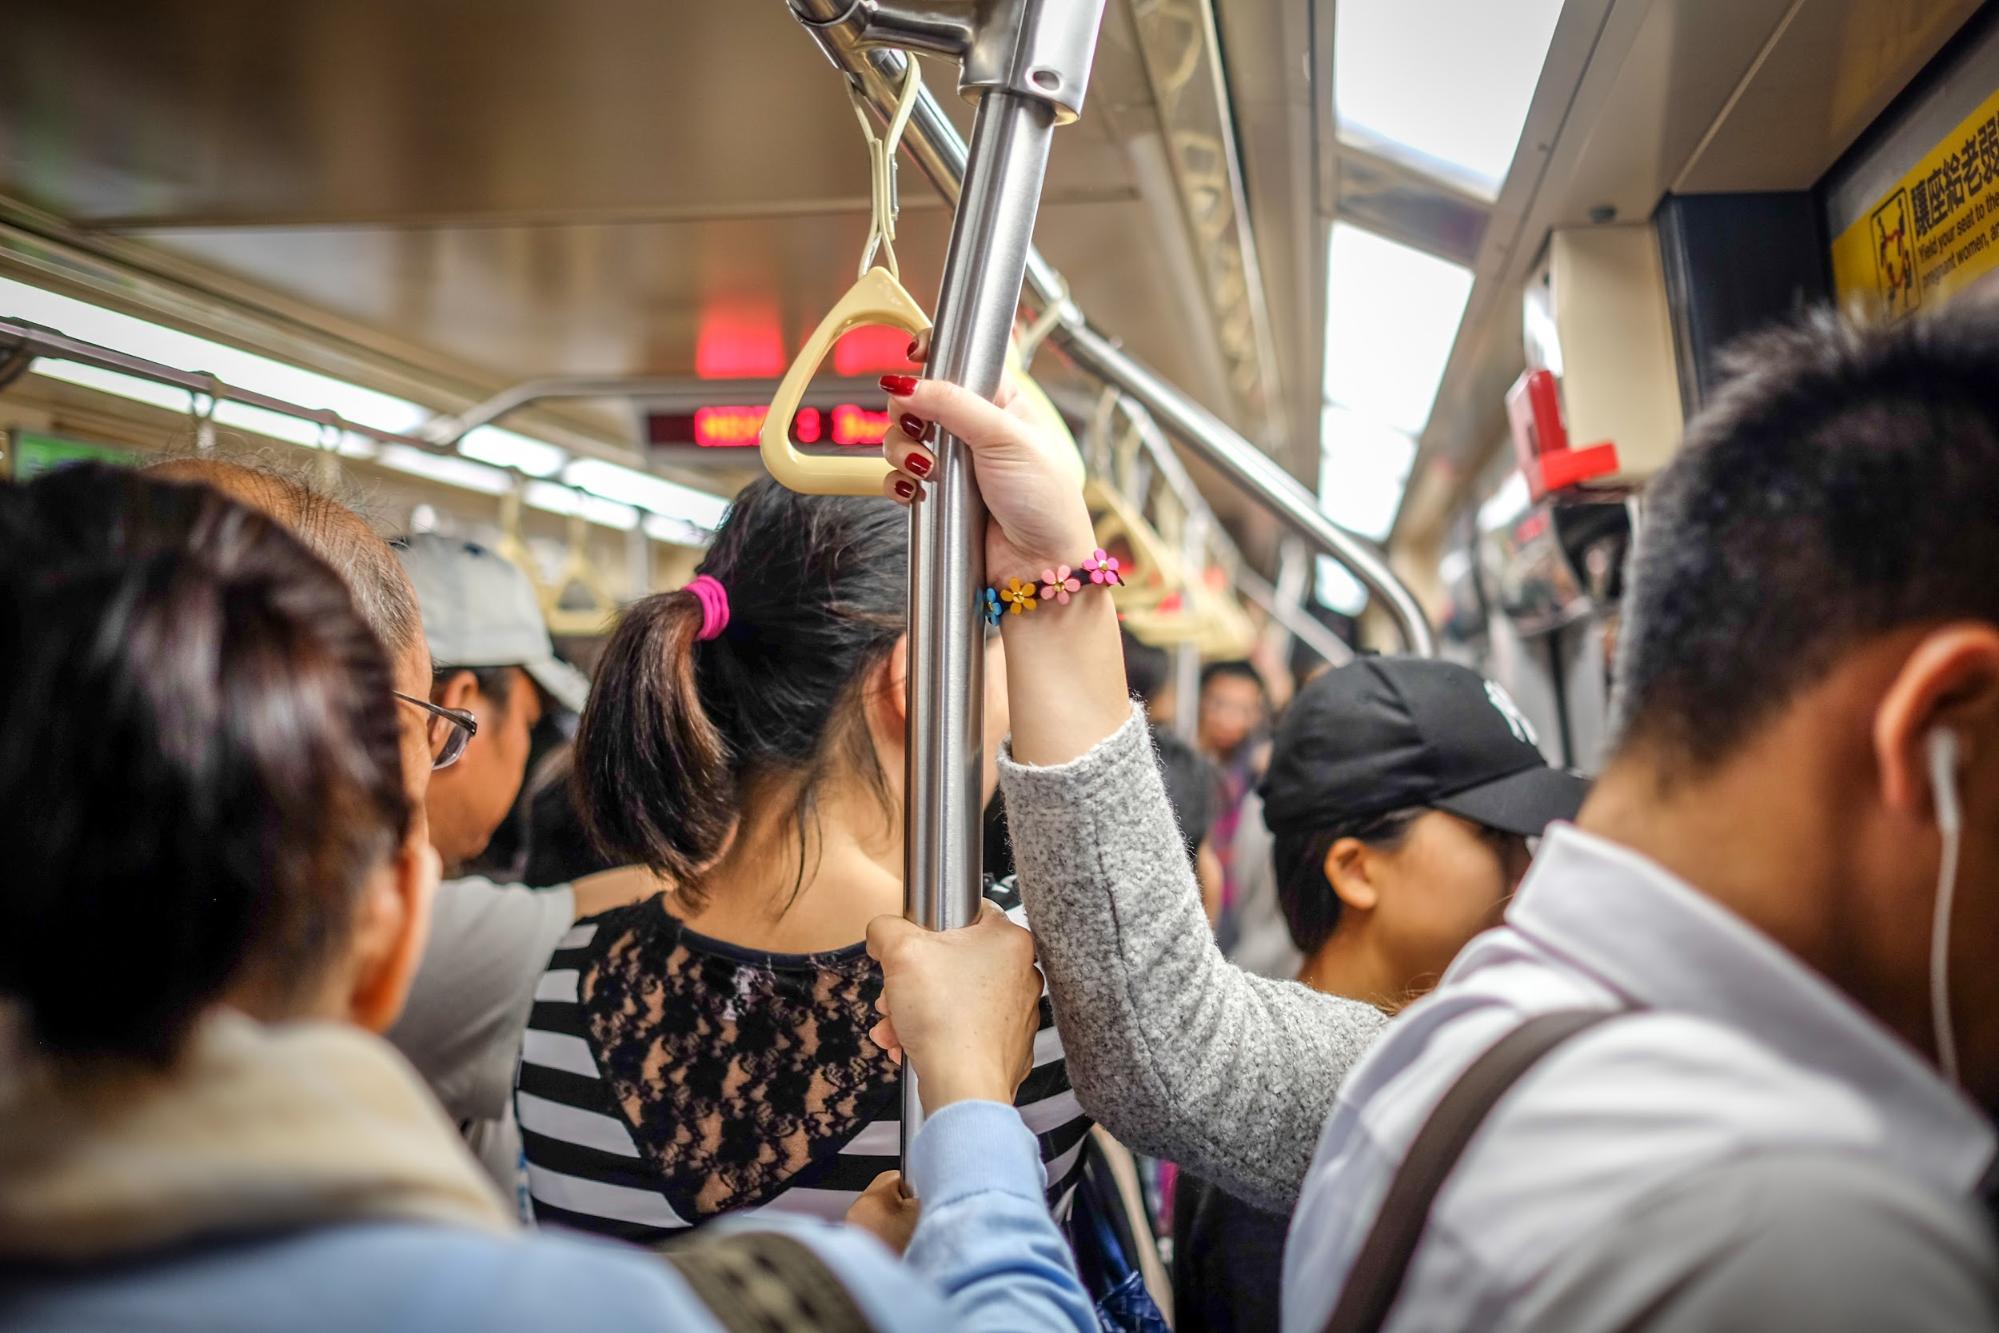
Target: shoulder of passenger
point(1779, 1239)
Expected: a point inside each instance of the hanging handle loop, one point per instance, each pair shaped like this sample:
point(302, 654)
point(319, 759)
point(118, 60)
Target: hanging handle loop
point(876, 298)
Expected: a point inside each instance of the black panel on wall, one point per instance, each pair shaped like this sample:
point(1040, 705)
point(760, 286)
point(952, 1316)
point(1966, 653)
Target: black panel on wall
point(1734, 263)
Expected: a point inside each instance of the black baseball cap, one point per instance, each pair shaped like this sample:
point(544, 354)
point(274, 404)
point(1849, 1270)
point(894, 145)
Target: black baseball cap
point(1389, 733)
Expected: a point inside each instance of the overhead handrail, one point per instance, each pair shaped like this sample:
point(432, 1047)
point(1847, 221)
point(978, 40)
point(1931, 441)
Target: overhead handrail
point(876, 298)
point(578, 572)
point(940, 151)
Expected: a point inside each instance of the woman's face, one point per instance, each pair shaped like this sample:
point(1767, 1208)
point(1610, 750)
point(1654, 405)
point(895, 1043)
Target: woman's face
point(1446, 882)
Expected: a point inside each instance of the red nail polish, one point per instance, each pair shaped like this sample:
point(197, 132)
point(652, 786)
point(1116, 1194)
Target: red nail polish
point(913, 426)
point(910, 353)
point(918, 464)
point(905, 488)
point(899, 385)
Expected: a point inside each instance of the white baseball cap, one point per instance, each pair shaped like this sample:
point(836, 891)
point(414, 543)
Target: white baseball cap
point(479, 610)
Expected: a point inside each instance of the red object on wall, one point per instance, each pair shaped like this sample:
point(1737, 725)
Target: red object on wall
point(736, 342)
point(872, 349)
point(1541, 438)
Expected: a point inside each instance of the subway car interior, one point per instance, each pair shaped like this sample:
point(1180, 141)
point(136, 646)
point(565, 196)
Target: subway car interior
point(1366, 328)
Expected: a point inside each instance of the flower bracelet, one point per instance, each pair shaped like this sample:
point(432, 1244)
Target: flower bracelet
point(1056, 585)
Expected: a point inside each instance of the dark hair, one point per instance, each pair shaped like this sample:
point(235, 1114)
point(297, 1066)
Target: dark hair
point(1232, 668)
point(559, 849)
point(1192, 786)
point(680, 737)
point(1146, 668)
point(1843, 483)
point(199, 760)
point(1311, 907)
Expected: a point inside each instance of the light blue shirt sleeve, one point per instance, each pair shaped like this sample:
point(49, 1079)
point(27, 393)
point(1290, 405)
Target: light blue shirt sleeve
point(992, 1256)
point(985, 1238)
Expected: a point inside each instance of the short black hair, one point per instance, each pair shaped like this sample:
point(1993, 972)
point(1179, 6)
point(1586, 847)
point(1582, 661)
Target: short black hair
point(1844, 482)
point(1193, 786)
point(1235, 667)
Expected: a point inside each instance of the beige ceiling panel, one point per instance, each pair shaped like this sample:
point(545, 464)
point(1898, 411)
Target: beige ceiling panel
point(195, 112)
point(1823, 78)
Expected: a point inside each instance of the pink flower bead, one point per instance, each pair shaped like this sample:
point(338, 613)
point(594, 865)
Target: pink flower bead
point(1102, 567)
point(1057, 584)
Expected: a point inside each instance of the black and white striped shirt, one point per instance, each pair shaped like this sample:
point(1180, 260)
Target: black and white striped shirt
point(668, 1078)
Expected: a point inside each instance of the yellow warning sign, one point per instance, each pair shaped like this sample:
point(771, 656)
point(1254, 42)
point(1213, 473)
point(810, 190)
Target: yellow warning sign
point(1936, 231)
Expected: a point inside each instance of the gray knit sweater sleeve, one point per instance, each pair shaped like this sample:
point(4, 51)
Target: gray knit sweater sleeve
point(1176, 1051)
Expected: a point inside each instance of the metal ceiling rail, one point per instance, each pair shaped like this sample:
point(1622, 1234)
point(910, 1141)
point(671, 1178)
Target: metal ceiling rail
point(661, 392)
point(938, 150)
point(22, 342)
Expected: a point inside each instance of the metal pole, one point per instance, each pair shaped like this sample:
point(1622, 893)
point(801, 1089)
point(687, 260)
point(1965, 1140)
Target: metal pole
point(934, 144)
point(1028, 63)
point(32, 340)
point(1253, 470)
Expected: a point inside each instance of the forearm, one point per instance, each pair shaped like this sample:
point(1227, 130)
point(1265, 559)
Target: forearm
point(1174, 1050)
point(986, 1239)
point(1064, 677)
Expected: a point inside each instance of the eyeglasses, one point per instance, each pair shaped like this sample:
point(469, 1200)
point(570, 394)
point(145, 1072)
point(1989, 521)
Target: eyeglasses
point(450, 730)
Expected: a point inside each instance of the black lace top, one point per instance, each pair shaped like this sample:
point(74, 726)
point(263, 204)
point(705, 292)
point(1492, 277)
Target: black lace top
point(668, 1078)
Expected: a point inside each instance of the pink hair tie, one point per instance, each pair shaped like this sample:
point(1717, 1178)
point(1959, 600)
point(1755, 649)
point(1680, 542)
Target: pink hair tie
point(714, 599)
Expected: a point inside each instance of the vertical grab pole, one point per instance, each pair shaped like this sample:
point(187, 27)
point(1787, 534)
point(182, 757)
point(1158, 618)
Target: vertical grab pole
point(1027, 62)
point(991, 233)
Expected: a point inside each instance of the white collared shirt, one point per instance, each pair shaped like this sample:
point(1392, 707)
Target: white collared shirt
point(1736, 1049)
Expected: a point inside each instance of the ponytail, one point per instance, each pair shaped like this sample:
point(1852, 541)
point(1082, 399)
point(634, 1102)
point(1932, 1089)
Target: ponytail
point(652, 771)
point(682, 731)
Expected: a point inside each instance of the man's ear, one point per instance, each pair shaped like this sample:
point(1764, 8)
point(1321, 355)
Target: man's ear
point(1950, 680)
point(390, 931)
point(1350, 870)
point(455, 690)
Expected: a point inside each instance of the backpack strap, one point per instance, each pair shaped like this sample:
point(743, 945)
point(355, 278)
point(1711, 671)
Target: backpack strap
point(1376, 1277)
point(764, 1282)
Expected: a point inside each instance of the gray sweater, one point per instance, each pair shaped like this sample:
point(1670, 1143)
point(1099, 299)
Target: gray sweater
point(1176, 1051)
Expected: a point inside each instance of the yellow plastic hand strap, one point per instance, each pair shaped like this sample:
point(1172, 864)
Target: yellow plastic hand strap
point(579, 572)
point(1158, 573)
point(877, 298)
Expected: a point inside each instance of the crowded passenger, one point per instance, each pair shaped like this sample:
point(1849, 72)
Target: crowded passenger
point(706, 1051)
point(1773, 1107)
point(203, 1130)
point(486, 944)
point(1402, 793)
point(492, 661)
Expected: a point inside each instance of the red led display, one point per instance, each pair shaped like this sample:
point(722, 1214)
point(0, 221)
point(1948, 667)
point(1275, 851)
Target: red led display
point(738, 427)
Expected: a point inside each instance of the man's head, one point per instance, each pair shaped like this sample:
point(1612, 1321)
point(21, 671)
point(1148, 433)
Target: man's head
point(492, 658)
point(381, 591)
point(1233, 705)
point(1815, 594)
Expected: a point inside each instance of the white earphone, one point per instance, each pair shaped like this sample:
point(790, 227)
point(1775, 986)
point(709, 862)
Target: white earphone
point(1943, 755)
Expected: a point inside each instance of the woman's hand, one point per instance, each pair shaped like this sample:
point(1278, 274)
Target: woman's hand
point(887, 1210)
point(961, 1006)
point(1029, 482)
point(1064, 664)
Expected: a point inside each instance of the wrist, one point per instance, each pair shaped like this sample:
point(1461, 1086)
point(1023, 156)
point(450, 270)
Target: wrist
point(952, 1085)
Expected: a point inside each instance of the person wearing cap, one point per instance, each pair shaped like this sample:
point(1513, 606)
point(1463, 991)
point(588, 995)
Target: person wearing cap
point(488, 942)
point(492, 659)
point(1402, 795)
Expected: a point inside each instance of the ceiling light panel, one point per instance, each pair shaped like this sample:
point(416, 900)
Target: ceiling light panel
point(1363, 471)
point(1392, 315)
point(1442, 84)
